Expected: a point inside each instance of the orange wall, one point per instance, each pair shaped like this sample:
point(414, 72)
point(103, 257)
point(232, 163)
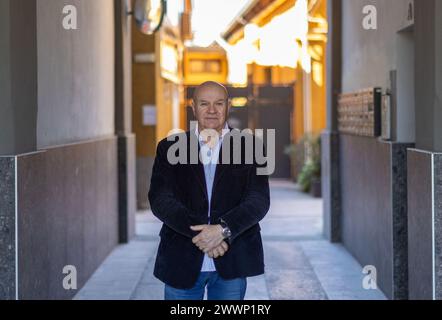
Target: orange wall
point(144, 92)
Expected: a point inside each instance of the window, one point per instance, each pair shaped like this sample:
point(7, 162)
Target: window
point(205, 66)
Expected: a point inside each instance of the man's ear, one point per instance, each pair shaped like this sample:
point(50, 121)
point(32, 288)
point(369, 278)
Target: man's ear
point(229, 105)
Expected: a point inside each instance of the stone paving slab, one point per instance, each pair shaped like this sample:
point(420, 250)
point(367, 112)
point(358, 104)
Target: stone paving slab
point(257, 288)
point(339, 273)
point(294, 285)
point(119, 275)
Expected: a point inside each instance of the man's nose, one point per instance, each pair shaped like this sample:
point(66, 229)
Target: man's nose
point(212, 108)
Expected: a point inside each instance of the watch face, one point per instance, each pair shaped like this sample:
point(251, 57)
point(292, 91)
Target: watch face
point(149, 15)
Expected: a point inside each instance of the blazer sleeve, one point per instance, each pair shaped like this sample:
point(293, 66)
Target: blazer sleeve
point(164, 204)
point(254, 205)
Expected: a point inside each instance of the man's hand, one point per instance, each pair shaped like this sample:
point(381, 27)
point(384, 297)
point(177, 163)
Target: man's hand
point(209, 238)
point(219, 251)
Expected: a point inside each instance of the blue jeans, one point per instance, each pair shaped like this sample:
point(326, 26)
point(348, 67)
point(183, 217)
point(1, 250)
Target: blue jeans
point(217, 289)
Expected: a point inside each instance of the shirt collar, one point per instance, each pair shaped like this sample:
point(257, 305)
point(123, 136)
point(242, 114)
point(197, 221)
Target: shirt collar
point(223, 133)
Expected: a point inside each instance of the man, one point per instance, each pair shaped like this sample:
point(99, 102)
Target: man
point(210, 209)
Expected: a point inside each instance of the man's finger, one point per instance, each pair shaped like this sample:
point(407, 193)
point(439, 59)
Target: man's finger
point(200, 243)
point(206, 247)
point(198, 228)
point(196, 239)
point(225, 245)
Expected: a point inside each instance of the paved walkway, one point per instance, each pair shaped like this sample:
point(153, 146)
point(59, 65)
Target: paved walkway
point(300, 264)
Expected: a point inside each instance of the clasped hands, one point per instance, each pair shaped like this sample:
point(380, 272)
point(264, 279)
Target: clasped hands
point(210, 240)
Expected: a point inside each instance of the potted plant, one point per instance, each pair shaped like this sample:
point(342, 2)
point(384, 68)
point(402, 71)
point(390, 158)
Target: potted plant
point(296, 151)
point(315, 185)
point(309, 177)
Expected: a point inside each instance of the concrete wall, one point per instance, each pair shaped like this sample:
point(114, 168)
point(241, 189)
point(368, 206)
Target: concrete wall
point(63, 202)
point(425, 166)
point(429, 75)
point(123, 122)
point(373, 173)
point(6, 136)
point(388, 211)
point(18, 77)
point(66, 200)
point(68, 215)
point(369, 55)
point(425, 224)
point(424, 194)
point(438, 77)
point(420, 225)
point(374, 208)
point(75, 72)
point(366, 215)
point(75, 81)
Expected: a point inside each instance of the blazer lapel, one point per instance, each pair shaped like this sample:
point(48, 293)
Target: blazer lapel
point(198, 169)
point(222, 167)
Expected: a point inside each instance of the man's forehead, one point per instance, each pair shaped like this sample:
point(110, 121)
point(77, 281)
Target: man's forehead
point(211, 90)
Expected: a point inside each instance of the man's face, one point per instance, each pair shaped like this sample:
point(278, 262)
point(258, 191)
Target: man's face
point(211, 107)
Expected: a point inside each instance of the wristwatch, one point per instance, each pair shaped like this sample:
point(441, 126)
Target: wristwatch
point(226, 230)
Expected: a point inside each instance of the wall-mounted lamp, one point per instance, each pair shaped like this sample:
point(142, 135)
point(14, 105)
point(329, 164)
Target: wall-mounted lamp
point(148, 14)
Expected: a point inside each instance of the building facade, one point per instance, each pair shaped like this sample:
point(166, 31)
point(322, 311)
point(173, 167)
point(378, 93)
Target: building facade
point(158, 88)
point(284, 44)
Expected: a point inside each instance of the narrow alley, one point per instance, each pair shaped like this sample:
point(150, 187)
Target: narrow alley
point(344, 97)
point(300, 263)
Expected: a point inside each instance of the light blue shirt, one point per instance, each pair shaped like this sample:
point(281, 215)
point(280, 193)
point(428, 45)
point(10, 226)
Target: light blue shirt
point(209, 158)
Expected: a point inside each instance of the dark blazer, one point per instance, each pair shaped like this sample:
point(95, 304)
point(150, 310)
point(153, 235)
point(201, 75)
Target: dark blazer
point(178, 197)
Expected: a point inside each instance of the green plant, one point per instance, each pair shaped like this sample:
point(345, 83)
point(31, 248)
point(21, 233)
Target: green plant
point(308, 153)
point(296, 152)
point(310, 171)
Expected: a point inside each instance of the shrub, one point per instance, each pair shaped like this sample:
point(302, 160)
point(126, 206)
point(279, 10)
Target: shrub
point(309, 148)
